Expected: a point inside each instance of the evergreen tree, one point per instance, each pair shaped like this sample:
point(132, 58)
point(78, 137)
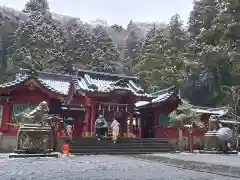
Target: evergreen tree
point(106, 54)
point(162, 61)
point(156, 66)
point(39, 42)
point(177, 33)
point(36, 6)
point(203, 14)
point(80, 46)
point(209, 25)
point(184, 115)
point(132, 48)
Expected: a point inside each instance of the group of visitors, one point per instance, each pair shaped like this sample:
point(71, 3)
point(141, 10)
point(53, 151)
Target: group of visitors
point(101, 128)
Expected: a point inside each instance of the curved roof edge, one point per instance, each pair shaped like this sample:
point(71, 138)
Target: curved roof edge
point(218, 111)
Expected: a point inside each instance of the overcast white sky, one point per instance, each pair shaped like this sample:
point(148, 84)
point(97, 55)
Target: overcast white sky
point(116, 11)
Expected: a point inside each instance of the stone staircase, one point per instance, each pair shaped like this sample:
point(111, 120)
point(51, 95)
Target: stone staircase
point(90, 145)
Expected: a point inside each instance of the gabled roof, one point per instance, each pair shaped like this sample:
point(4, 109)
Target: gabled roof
point(89, 81)
point(56, 83)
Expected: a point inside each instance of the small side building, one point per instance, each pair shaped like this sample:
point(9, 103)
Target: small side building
point(154, 116)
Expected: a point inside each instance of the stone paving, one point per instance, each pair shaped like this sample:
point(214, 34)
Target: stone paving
point(215, 159)
point(95, 168)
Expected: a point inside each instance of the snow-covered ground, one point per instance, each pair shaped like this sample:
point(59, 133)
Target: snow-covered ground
point(94, 168)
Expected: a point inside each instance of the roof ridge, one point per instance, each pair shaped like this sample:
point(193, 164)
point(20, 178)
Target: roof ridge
point(106, 74)
point(210, 108)
point(163, 91)
point(27, 71)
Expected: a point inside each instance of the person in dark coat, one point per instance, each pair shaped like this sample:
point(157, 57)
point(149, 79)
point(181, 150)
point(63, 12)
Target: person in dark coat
point(100, 124)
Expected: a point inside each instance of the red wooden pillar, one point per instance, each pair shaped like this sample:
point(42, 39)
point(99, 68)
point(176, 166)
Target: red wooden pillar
point(86, 122)
point(139, 125)
point(156, 121)
point(78, 126)
point(131, 124)
point(191, 139)
point(6, 115)
point(93, 118)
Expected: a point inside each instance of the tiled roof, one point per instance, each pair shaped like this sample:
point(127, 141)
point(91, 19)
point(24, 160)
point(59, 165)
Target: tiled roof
point(92, 82)
point(103, 75)
point(14, 82)
point(164, 94)
point(160, 96)
point(56, 83)
point(83, 81)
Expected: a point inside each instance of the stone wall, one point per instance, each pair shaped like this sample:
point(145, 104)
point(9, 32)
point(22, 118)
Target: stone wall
point(8, 143)
point(198, 142)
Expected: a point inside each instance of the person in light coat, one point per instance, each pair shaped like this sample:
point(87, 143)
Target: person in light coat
point(115, 130)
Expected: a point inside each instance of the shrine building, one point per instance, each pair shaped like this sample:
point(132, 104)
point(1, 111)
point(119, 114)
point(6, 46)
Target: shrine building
point(85, 95)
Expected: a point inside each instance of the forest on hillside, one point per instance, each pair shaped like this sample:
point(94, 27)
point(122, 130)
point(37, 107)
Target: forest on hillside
point(200, 58)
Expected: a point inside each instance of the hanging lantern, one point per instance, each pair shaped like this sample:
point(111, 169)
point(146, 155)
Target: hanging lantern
point(117, 108)
point(109, 107)
point(126, 108)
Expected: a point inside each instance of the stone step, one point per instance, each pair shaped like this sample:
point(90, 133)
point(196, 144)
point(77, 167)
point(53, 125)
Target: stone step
point(126, 151)
point(121, 138)
point(33, 151)
point(101, 143)
point(129, 140)
point(110, 153)
point(15, 155)
point(122, 147)
point(91, 145)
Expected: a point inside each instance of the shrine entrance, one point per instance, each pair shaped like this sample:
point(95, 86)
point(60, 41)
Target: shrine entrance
point(147, 123)
point(122, 113)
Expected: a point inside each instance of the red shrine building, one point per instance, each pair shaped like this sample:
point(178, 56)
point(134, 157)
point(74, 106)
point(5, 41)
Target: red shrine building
point(85, 96)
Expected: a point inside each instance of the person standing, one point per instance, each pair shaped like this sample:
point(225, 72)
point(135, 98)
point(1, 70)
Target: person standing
point(99, 126)
point(115, 130)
